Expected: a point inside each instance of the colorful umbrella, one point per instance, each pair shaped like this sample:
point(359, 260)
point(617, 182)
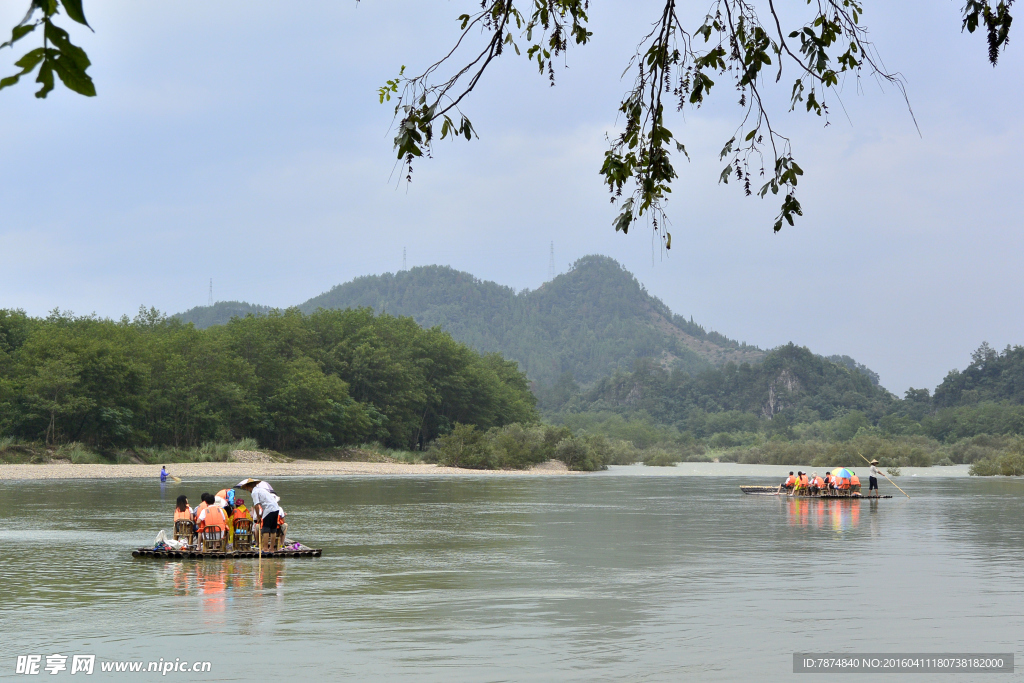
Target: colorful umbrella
point(842, 473)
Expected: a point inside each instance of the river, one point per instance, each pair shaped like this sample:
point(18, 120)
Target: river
point(613, 576)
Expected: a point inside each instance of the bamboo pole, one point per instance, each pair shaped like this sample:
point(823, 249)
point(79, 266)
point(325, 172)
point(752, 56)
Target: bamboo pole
point(884, 475)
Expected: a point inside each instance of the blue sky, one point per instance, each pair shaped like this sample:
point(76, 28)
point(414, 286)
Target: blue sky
point(245, 143)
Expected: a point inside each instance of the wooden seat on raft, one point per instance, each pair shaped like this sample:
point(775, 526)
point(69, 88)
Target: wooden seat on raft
point(213, 540)
point(184, 530)
point(243, 534)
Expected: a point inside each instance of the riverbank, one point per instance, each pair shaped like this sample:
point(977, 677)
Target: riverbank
point(241, 470)
point(328, 468)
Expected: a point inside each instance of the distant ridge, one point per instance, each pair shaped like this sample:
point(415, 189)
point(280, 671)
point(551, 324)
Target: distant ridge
point(220, 313)
point(587, 322)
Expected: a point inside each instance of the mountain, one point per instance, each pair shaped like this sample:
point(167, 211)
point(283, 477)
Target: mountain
point(220, 313)
point(586, 323)
point(790, 380)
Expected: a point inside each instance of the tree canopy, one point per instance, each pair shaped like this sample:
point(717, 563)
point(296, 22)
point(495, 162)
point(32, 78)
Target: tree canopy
point(748, 43)
point(287, 379)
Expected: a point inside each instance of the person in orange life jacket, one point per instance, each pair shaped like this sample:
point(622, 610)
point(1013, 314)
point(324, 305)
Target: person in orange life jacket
point(182, 512)
point(802, 481)
point(206, 500)
point(241, 512)
point(817, 483)
point(790, 481)
point(213, 518)
point(828, 480)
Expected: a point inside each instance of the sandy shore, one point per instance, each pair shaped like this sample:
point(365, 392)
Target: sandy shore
point(241, 470)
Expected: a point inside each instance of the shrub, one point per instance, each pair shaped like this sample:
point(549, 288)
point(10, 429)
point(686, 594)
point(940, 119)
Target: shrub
point(78, 454)
point(624, 452)
point(516, 447)
point(659, 457)
point(464, 446)
point(984, 468)
point(585, 454)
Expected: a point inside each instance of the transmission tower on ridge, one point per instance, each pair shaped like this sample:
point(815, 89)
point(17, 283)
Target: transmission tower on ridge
point(551, 263)
point(209, 301)
point(403, 258)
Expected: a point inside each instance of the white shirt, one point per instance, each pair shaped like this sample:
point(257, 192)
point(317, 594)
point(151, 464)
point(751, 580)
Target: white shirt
point(874, 471)
point(266, 500)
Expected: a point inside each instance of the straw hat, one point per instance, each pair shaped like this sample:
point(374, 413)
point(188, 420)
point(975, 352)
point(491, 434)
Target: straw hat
point(874, 462)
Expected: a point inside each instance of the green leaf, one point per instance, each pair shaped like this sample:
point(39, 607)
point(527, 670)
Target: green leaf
point(73, 8)
point(74, 77)
point(625, 217)
point(45, 78)
point(30, 59)
point(18, 33)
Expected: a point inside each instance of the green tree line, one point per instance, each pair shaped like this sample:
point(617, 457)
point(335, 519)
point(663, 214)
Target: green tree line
point(799, 408)
point(286, 379)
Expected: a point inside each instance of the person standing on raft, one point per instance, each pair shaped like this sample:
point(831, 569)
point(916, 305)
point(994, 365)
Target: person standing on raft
point(873, 478)
point(264, 508)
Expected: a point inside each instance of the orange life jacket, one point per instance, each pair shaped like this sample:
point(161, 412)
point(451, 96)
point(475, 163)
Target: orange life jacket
point(803, 480)
point(240, 513)
point(818, 482)
point(842, 484)
point(215, 519)
point(855, 481)
point(185, 514)
point(223, 493)
point(790, 480)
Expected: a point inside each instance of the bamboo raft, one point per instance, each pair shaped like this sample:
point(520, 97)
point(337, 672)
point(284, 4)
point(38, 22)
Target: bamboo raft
point(831, 494)
point(302, 551)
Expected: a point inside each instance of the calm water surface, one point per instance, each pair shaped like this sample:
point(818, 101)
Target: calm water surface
point(601, 577)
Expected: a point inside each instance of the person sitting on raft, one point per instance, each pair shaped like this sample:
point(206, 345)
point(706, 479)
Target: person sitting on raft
point(182, 512)
point(790, 482)
point(212, 518)
point(202, 503)
point(240, 512)
point(817, 483)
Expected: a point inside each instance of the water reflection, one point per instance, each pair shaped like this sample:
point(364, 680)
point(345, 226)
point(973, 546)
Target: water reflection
point(220, 582)
point(835, 515)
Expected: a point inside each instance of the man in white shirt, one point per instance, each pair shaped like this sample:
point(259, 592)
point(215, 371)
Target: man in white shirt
point(265, 508)
point(873, 477)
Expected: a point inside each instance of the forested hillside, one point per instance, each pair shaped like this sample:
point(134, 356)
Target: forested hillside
point(220, 313)
point(287, 379)
point(587, 322)
point(790, 381)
